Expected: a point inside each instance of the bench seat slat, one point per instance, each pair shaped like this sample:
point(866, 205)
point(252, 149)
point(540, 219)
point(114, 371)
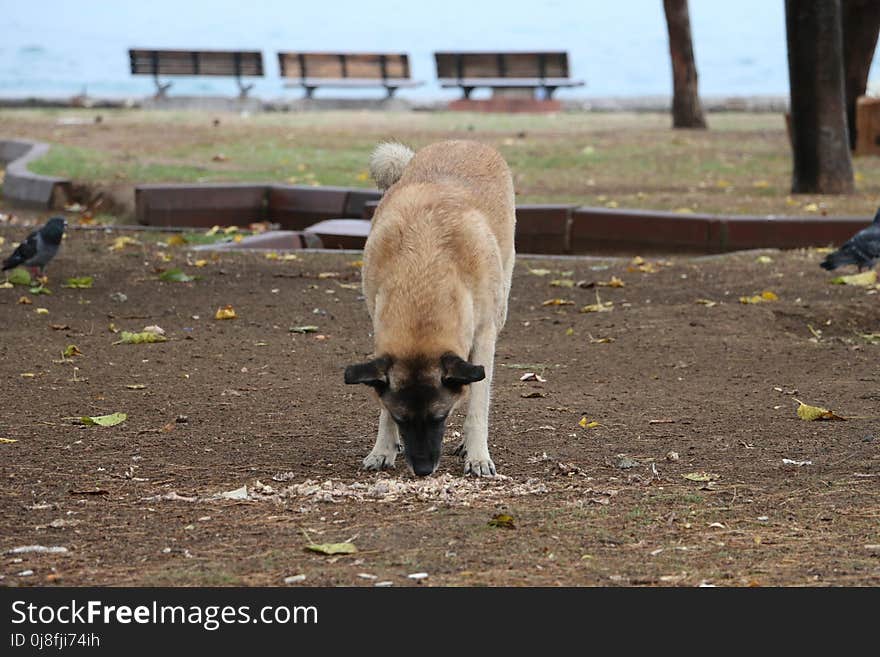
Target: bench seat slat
point(510, 82)
point(352, 82)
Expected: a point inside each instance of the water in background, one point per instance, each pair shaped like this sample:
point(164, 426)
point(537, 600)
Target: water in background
point(58, 48)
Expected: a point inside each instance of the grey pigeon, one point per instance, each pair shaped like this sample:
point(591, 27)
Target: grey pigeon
point(38, 248)
point(862, 249)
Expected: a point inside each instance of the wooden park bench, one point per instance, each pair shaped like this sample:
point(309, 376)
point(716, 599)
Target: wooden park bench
point(347, 70)
point(197, 62)
point(508, 73)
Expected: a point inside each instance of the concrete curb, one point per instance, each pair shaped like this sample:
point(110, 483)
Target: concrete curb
point(27, 188)
point(541, 229)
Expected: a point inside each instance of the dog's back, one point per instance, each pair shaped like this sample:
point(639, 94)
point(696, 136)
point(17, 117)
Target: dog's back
point(442, 238)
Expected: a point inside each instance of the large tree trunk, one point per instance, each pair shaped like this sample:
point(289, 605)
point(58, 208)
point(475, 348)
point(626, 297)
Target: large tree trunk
point(819, 137)
point(687, 111)
point(861, 23)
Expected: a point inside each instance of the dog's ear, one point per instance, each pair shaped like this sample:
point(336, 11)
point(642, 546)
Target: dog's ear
point(458, 372)
point(373, 373)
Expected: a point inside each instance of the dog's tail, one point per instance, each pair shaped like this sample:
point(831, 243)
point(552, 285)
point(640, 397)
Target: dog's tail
point(388, 162)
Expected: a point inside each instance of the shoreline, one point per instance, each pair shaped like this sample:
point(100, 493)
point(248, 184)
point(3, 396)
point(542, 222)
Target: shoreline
point(649, 103)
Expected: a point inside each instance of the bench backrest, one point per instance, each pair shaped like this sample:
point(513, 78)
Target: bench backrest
point(196, 62)
point(378, 66)
point(457, 65)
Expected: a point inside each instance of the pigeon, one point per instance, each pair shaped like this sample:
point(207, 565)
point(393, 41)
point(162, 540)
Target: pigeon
point(862, 249)
point(38, 248)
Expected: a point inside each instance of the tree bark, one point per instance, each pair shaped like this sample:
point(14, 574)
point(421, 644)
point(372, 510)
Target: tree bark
point(687, 111)
point(861, 24)
point(819, 136)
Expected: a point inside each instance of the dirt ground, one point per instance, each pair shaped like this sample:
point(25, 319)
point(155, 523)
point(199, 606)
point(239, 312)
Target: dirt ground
point(247, 402)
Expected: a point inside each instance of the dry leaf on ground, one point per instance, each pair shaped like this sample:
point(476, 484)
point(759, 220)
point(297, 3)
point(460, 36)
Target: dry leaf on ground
point(812, 413)
point(864, 279)
point(332, 548)
point(227, 312)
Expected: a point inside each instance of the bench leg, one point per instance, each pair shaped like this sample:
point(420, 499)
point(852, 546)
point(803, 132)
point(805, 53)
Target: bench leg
point(243, 89)
point(467, 92)
point(549, 92)
point(161, 87)
point(389, 92)
point(310, 92)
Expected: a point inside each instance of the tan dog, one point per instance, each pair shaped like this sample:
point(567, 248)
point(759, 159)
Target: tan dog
point(437, 269)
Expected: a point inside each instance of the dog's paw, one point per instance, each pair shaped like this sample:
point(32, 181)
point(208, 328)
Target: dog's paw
point(379, 460)
point(480, 467)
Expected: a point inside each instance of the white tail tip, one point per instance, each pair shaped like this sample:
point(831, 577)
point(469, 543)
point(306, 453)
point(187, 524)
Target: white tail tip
point(387, 163)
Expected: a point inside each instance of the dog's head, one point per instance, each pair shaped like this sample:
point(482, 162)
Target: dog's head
point(418, 393)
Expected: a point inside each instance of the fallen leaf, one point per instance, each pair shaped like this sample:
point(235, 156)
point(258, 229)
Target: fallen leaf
point(8, 441)
point(177, 240)
point(6, 285)
point(614, 282)
point(598, 307)
point(25, 301)
point(557, 302)
point(40, 289)
point(701, 476)
point(332, 548)
point(531, 376)
point(303, 329)
point(639, 264)
point(227, 312)
point(763, 260)
point(539, 272)
point(104, 420)
point(584, 423)
point(42, 311)
point(328, 274)
point(135, 386)
point(121, 242)
point(71, 351)
point(144, 337)
point(706, 302)
point(176, 275)
point(502, 521)
point(765, 296)
point(865, 279)
point(19, 276)
point(599, 340)
point(59, 327)
point(79, 282)
point(812, 413)
point(200, 263)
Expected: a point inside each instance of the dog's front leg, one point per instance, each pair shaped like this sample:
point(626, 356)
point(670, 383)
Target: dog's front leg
point(387, 445)
point(474, 448)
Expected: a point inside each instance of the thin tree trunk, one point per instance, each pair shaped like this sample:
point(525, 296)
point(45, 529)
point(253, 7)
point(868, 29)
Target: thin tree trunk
point(820, 141)
point(687, 111)
point(861, 23)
